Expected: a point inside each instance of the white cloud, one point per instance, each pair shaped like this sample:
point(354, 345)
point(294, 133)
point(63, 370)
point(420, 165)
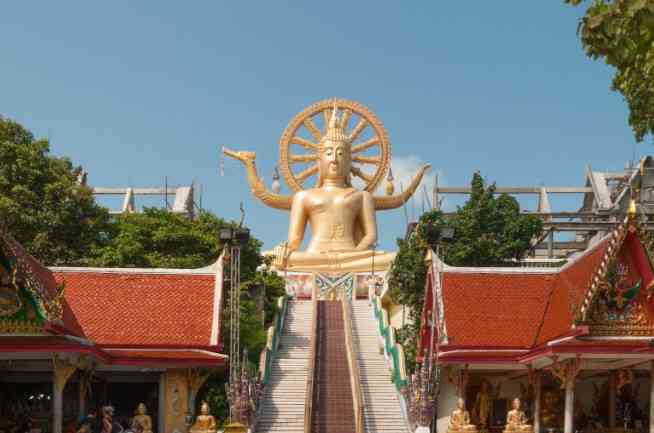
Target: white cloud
point(404, 170)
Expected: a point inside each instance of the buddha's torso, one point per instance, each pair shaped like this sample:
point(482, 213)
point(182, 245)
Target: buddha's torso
point(332, 213)
point(515, 418)
point(204, 422)
point(145, 421)
point(460, 418)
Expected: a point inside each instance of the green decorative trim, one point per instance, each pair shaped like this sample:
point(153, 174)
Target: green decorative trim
point(274, 332)
point(392, 349)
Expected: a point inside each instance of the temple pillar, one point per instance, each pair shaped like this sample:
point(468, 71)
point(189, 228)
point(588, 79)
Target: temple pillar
point(85, 380)
point(195, 378)
point(651, 398)
point(537, 395)
point(82, 398)
point(161, 413)
point(612, 399)
point(568, 423)
point(62, 370)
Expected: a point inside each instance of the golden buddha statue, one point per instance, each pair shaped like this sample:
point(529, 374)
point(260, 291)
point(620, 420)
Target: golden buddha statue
point(342, 217)
point(142, 418)
point(460, 419)
point(516, 421)
point(204, 423)
point(484, 406)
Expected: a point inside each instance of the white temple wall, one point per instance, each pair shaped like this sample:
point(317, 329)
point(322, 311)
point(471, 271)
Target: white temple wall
point(446, 404)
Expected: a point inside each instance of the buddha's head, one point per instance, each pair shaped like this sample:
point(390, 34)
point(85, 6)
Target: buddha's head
point(335, 153)
point(204, 409)
point(516, 403)
point(460, 404)
point(141, 409)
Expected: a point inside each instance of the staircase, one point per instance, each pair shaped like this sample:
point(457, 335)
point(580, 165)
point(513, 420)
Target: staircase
point(381, 407)
point(333, 409)
point(283, 402)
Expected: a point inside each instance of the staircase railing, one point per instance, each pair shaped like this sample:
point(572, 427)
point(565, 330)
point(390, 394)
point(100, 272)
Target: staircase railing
point(272, 340)
point(311, 373)
point(355, 377)
point(393, 353)
point(393, 350)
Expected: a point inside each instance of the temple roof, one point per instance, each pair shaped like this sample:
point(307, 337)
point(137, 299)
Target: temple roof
point(32, 276)
point(514, 313)
point(119, 315)
point(133, 308)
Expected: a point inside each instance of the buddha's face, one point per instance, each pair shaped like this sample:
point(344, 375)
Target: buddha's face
point(204, 409)
point(141, 409)
point(335, 160)
point(460, 404)
point(516, 403)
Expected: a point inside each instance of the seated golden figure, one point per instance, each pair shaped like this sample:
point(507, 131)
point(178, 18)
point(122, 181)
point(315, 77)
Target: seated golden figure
point(342, 217)
point(460, 419)
point(516, 421)
point(204, 423)
point(142, 418)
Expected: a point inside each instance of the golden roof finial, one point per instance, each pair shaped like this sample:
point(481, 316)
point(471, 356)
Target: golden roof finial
point(632, 211)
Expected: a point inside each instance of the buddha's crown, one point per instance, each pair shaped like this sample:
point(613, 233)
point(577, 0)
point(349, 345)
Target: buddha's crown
point(335, 131)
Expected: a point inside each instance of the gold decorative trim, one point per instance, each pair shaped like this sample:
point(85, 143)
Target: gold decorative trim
point(20, 327)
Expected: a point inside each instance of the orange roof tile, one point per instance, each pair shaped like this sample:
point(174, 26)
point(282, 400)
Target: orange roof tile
point(494, 309)
point(572, 283)
point(139, 309)
point(514, 308)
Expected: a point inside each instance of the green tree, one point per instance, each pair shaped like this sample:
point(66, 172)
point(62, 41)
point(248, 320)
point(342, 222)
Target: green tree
point(622, 33)
point(41, 202)
point(489, 230)
point(157, 238)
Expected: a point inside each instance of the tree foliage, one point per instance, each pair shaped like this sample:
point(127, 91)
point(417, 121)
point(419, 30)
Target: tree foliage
point(489, 230)
point(41, 202)
point(622, 33)
point(157, 238)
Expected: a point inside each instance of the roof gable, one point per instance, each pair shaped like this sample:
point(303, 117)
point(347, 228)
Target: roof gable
point(30, 298)
point(616, 303)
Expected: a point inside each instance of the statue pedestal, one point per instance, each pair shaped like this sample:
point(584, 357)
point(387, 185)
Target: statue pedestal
point(236, 427)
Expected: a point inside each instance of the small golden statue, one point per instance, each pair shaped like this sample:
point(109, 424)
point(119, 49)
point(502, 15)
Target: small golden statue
point(204, 423)
point(142, 418)
point(341, 216)
point(460, 419)
point(484, 406)
point(516, 421)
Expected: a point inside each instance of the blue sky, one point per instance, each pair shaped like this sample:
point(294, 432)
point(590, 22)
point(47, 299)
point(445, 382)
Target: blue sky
point(139, 91)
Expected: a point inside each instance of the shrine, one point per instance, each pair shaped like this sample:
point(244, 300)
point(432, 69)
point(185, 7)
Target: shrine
point(574, 344)
point(72, 339)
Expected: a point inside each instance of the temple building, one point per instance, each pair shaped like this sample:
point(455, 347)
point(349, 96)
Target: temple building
point(575, 344)
point(72, 339)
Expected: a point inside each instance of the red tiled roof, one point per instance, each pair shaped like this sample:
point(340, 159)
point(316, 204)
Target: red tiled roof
point(572, 283)
point(506, 308)
point(495, 309)
point(139, 309)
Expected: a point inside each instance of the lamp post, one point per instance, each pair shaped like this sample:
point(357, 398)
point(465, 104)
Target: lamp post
point(234, 238)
